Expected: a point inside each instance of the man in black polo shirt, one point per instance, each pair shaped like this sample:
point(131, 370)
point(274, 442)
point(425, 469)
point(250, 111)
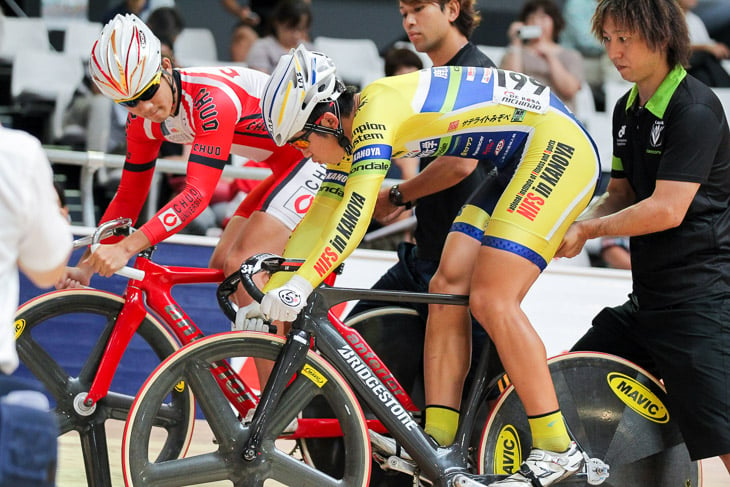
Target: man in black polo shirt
point(670, 192)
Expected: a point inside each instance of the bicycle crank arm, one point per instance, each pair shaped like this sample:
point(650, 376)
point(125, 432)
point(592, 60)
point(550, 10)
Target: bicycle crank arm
point(470, 480)
point(397, 464)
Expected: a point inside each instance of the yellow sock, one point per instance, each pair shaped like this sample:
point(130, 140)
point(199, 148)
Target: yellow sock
point(441, 423)
point(549, 432)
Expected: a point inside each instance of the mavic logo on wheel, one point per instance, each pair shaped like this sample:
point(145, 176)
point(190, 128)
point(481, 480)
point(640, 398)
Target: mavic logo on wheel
point(638, 397)
point(508, 452)
point(19, 328)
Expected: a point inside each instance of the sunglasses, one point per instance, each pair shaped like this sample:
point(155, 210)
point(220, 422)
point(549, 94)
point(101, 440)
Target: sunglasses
point(302, 142)
point(147, 93)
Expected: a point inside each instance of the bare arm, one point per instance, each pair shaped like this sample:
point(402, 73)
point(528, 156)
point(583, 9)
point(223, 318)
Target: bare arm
point(614, 215)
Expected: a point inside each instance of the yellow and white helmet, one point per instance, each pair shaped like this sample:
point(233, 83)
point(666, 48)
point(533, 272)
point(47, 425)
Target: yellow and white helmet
point(300, 81)
point(125, 59)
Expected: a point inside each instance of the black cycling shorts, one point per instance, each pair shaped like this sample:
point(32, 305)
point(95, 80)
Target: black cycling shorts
point(688, 347)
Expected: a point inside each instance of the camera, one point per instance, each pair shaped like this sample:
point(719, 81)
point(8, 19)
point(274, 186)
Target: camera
point(529, 32)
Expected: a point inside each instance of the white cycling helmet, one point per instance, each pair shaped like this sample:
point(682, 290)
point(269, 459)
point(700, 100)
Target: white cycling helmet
point(125, 59)
point(300, 81)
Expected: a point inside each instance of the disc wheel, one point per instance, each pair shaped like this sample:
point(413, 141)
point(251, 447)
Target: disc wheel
point(616, 412)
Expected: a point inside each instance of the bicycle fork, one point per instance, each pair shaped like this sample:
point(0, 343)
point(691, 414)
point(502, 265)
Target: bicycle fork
point(291, 359)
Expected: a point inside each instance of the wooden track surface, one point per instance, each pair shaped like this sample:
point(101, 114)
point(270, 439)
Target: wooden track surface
point(71, 474)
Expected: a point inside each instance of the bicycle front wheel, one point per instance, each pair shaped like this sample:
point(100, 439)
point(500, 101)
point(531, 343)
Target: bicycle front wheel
point(224, 459)
point(617, 413)
point(61, 338)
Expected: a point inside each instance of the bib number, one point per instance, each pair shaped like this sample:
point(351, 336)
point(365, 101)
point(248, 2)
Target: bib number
point(521, 91)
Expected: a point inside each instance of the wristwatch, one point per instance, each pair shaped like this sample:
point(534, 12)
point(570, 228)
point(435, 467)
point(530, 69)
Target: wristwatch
point(396, 198)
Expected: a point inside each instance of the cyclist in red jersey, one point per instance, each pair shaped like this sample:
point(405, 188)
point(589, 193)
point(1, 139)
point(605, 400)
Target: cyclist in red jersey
point(216, 112)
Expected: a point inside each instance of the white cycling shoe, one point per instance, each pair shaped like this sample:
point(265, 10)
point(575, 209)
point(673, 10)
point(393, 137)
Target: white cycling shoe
point(544, 468)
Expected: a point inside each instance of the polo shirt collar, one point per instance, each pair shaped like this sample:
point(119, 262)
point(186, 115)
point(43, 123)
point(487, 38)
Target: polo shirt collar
point(659, 101)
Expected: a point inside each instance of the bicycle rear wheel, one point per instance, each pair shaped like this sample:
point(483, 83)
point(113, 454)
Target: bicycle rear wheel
point(190, 366)
point(617, 413)
point(61, 337)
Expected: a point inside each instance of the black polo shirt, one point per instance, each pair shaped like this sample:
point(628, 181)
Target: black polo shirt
point(681, 134)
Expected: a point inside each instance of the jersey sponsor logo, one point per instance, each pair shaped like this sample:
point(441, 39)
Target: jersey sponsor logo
point(255, 125)
point(373, 158)
point(542, 180)
point(325, 261)
point(470, 73)
point(207, 111)
point(638, 397)
point(368, 131)
point(344, 229)
point(302, 203)
point(377, 388)
point(441, 72)
point(621, 137)
point(169, 219)
point(453, 126)
point(518, 115)
point(508, 451)
point(500, 146)
point(486, 76)
point(204, 149)
point(656, 136)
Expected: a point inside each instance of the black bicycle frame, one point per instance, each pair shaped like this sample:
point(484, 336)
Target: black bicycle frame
point(433, 460)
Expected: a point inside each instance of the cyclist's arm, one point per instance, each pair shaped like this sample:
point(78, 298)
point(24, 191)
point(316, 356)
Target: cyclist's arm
point(442, 173)
point(342, 231)
point(309, 233)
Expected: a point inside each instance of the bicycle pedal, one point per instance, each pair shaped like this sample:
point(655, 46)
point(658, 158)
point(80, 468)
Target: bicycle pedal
point(596, 471)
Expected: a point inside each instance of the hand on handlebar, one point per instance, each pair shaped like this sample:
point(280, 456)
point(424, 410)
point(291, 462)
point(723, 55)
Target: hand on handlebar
point(250, 318)
point(284, 303)
point(108, 259)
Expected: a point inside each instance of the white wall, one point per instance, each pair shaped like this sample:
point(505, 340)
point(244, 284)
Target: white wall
point(560, 305)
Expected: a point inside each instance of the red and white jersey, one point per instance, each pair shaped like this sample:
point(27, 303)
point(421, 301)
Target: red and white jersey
point(218, 114)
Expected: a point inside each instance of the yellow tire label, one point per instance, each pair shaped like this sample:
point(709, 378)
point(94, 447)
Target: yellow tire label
point(309, 372)
point(508, 452)
point(19, 328)
point(180, 386)
point(638, 397)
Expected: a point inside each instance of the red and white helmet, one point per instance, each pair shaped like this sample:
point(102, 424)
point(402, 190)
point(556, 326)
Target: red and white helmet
point(125, 59)
point(300, 81)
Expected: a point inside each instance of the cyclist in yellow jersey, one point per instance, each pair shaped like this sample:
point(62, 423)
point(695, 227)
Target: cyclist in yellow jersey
point(546, 172)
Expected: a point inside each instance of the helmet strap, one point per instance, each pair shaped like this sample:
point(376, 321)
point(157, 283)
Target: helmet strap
point(339, 133)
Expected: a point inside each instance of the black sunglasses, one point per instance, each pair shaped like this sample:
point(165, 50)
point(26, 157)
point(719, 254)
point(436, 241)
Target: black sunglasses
point(147, 94)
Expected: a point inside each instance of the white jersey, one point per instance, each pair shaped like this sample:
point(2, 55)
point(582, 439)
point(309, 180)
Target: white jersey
point(33, 233)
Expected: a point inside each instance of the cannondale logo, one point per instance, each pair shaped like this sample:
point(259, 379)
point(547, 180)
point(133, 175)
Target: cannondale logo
point(290, 298)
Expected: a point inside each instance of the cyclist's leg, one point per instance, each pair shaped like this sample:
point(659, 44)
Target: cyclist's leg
point(447, 351)
point(228, 238)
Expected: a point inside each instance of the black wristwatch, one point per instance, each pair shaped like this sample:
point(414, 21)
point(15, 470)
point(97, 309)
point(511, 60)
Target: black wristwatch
point(396, 197)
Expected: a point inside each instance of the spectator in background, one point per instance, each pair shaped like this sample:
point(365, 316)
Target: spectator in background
point(577, 35)
point(534, 50)
point(36, 238)
point(256, 13)
point(290, 23)
point(166, 23)
point(615, 253)
point(707, 54)
point(243, 38)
